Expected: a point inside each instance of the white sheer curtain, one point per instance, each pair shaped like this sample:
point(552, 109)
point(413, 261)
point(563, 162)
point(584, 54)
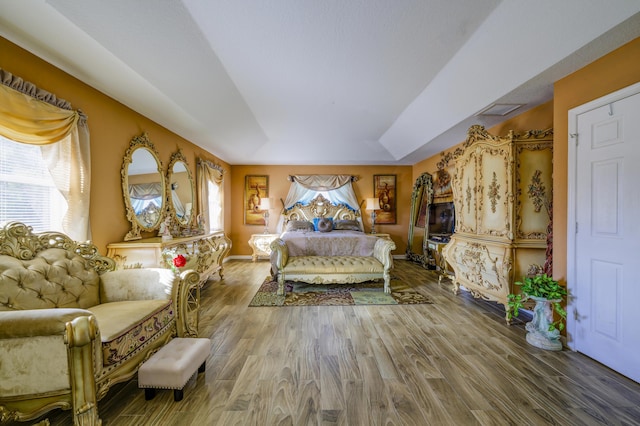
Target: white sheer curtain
point(336, 188)
point(34, 116)
point(210, 178)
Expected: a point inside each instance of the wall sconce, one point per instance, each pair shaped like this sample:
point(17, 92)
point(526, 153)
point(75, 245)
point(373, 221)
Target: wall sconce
point(372, 205)
point(265, 206)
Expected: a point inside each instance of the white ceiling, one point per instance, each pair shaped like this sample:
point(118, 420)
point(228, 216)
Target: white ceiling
point(321, 81)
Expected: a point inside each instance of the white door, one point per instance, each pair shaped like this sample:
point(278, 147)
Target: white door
point(605, 294)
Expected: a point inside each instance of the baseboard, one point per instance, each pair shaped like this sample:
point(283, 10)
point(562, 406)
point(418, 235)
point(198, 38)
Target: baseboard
point(237, 256)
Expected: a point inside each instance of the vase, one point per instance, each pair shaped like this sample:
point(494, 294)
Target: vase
point(538, 333)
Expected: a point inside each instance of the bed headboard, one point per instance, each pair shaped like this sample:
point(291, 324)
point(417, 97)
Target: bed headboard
point(320, 207)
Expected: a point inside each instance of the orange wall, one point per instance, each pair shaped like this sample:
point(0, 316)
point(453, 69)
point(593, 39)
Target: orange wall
point(279, 187)
point(111, 126)
point(614, 71)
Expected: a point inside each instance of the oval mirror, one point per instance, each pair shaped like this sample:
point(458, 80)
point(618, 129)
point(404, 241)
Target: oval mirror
point(181, 190)
point(143, 187)
point(421, 198)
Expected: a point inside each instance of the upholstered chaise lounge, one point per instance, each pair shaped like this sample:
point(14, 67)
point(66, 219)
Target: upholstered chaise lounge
point(71, 326)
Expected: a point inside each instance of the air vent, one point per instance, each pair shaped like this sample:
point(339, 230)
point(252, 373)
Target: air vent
point(499, 109)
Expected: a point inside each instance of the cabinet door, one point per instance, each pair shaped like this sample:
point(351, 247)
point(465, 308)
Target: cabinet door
point(464, 193)
point(495, 193)
point(534, 190)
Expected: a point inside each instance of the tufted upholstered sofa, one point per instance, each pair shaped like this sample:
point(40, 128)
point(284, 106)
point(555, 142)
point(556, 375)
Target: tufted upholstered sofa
point(71, 326)
point(318, 268)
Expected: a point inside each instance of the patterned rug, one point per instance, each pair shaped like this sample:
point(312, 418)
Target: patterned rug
point(367, 293)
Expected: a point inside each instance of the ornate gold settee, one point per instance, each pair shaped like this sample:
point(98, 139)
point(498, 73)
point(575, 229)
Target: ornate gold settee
point(71, 326)
point(323, 243)
point(322, 267)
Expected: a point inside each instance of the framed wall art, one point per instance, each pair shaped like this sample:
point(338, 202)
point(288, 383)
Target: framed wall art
point(256, 187)
point(384, 189)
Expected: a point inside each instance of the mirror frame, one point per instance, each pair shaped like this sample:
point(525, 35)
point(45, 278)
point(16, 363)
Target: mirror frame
point(141, 142)
point(423, 186)
point(175, 158)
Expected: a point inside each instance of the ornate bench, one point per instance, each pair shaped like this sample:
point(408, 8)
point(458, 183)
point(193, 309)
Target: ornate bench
point(344, 269)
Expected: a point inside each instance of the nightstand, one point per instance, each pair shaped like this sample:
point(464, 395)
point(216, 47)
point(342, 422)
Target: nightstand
point(261, 244)
point(385, 236)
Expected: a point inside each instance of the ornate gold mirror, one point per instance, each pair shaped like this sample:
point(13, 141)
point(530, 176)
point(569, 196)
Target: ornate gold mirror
point(143, 187)
point(421, 198)
point(181, 190)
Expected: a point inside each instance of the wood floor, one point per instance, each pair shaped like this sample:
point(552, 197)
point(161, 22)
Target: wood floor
point(454, 362)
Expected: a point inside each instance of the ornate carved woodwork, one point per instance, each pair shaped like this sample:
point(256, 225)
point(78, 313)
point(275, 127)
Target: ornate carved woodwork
point(502, 196)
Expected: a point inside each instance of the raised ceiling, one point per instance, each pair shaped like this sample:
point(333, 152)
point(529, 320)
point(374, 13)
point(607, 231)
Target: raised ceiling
point(321, 81)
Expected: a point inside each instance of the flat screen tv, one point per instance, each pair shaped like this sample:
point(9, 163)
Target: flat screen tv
point(441, 219)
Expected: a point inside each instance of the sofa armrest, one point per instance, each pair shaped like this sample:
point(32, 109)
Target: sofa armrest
point(279, 254)
point(382, 252)
point(37, 322)
point(186, 299)
point(137, 284)
point(48, 352)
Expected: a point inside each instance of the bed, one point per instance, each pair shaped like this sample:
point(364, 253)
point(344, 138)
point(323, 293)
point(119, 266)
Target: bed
point(324, 243)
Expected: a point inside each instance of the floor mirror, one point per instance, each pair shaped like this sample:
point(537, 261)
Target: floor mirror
point(421, 199)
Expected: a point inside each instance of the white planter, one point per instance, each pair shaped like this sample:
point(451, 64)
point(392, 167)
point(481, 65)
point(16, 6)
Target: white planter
point(538, 333)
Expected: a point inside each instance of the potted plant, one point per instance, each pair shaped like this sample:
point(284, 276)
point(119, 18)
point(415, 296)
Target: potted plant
point(542, 331)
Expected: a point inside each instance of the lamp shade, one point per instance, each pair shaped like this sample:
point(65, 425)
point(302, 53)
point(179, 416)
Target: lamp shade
point(372, 204)
point(265, 204)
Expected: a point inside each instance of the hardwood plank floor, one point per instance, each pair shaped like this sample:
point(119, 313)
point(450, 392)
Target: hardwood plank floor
point(454, 362)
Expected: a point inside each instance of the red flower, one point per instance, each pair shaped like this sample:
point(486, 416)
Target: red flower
point(179, 261)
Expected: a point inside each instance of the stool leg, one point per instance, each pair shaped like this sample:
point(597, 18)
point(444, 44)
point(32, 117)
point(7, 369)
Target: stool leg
point(149, 393)
point(202, 367)
point(177, 394)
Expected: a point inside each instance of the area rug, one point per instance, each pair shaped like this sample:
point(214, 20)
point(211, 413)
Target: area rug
point(368, 293)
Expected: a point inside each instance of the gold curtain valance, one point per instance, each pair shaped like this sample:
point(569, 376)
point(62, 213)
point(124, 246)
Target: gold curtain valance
point(322, 182)
point(28, 120)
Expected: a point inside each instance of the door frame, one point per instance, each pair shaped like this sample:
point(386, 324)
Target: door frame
point(571, 195)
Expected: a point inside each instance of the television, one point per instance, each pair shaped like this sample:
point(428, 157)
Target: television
point(441, 221)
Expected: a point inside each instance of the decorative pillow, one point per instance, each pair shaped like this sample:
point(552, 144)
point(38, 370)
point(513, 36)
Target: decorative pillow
point(347, 225)
point(299, 225)
point(325, 224)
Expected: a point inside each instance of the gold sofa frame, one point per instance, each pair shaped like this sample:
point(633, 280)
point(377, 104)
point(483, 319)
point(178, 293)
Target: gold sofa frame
point(285, 267)
point(76, 329)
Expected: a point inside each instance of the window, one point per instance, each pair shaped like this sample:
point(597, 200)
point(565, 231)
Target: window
point(27, 190)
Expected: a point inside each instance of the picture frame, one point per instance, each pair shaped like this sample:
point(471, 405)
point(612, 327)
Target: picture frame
point(384, 189)
point(442, 189)
point(256, 187)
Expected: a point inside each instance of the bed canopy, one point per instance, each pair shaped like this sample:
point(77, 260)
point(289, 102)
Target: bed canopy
point(338, 189)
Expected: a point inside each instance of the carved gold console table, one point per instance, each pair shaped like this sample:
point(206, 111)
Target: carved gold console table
point(204, 253)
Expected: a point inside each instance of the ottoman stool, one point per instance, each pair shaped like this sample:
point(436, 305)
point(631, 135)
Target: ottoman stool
point(173, 365)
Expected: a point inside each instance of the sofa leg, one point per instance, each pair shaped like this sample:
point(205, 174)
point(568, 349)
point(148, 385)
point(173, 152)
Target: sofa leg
point(202, 367)
point(281, 284)
point(387, 283)
point(178, 395)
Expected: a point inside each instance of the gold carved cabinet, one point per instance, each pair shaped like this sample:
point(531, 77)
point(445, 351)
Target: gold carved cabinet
point(502, 194)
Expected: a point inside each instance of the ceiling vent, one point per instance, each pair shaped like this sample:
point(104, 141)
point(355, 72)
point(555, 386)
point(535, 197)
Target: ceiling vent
point(499, 109)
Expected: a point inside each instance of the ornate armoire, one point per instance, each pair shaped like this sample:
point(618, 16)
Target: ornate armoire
point(502, 194)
